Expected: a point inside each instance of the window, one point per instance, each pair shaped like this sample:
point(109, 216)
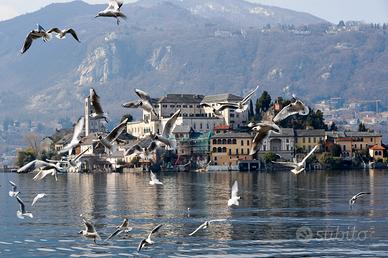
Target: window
point(247, 151)
point(215, 158)
point(224, 149)
point(230, 151)
point(229, 141)
point(234, 141)
point(231, 115)
point(304, 140)
point(309, 139)
point(190, 106)
point(214, 141)
point(371, 139)
point(242, 142)
point(264, 147)
point(223, 141)
point(185, 115)
point(164, 106)
point(198, 106)
point(236, 151)
point(200, 126)
point(288, 147)
point(315, 140)
point(248, 142)
point(184, 106)
point(242, 151)
point(219, 141)
point(287, 140)
point(207, 126)
point(172, 106)
point(219, 149)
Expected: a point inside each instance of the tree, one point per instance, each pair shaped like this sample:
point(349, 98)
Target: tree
point(264, 102)
point(333, 127)
point(336, 150)
point(24, 156)
point(251, 111)
point(33, 142)
point(362, 127)
point(268, 157)
point(129, 116)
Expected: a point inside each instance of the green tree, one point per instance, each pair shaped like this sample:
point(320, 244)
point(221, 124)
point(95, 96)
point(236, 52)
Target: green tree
point(268, 157)
point(251, 111)
point(129, 116)
point(362, 127)
point(335, 150)
point(333, 127)
point(264, 102)
point(24, 156)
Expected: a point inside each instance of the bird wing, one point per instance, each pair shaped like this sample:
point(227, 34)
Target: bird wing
point(143, 95)
point(73, 33)
point(95, 101)
point(14, 187)
point(227, 105)
point(258, 140)
point(43, 173)
point(309, 154)
point(37, 197)
point(133, 149)
point(27, 43)
point(287, 164)
point(204, 104)
point(284, 113)
point(245, 100)
point(198, 228)
point(56, 30)
point(153, 145)
point(132, 104)
point(22, 206)
point(89, 226)
point(153, 176)
point(118, 231)
point(112, 136)
point(234, 189)
point(170, 124)
point(78, 129)
point(29, 165)
point(155, 229)
point(141, 244)
point(81, 154)
point(360, 194)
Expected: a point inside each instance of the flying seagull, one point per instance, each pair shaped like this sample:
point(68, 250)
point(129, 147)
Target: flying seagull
point(13, 192)
point(296, 107)
point(242, 105)
point(113, 10)
point(145, 152)
point(298, 167)
point(61, 34)
point(75, 139)
point(217, 110)
point(38, 164)
point(234, 198)
point(144, 102)
point(205, 225)
point(168, 128)
point(154, 180)
point(45, 172)
point(95, 102)
point(22, 212)
point(109, 140)
point(124, 227)
point(40, 32)
point(354, 198)
point(73, 163)
point(148, 241)
point(262, 132)
point(37, 197)
point(89, 231)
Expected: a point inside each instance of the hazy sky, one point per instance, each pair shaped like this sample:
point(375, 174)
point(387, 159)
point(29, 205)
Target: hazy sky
point(331, 10)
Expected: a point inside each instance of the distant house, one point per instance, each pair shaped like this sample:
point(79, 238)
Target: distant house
point(282, 144)
point(376, 152)
point(307, 139)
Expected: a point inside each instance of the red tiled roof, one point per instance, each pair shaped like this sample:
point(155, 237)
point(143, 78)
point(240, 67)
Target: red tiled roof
point(377, 147)
point(221, 127)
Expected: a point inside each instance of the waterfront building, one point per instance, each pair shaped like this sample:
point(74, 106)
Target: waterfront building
point(306, 139)
point(282, 144)
point(377, 152)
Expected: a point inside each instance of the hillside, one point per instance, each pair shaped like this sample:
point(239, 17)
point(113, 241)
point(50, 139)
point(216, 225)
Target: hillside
point(184, 47)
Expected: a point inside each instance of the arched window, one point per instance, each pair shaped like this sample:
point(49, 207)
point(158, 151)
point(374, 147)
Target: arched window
point(229, 141)
point(214, 141)
point(234, 141)
point(214, 149)
point(219, 149)
point(219, 141)
point(223, 141)
point(224, 149)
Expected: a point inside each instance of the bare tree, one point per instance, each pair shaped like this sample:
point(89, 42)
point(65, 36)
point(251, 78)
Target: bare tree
point(33, 141)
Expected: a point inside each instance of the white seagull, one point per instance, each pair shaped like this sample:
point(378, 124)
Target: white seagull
point(124, 227)
point(217, 110)
point(242, 105)
point(297, 167)
point(95, 102)
point(38, 164)
point(89, 231)
point(144, 102)
point(13, 192)
point(296, 107)
point(234, 198)
point(75, 141)
point(109, 139)
point(154, 180)
point(22, 212)
point(113, 10)
point(148, 241)
point(45, 172)
point(145, 153)
point(37, 197)
point(205, 225)
point(40, 32)
point(61, 34)
point(354, 198)
point(168, 128)
point(262, 132)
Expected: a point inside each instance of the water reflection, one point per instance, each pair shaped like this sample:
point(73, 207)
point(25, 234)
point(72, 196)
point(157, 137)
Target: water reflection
point(273, 206)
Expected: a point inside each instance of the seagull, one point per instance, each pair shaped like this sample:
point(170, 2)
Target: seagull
point(262, 132)
point(354, 198)
point(13, 192)
point(154, 180)
point(296, 107)
point(76, 134)
point(89, 231)
point(38, 164)
point(73, 163)
point(45, 172)
point(167, 131)
point(298, 166)
point(234, 198)
point(242, 105)
point(37, 197)
point(148, 241)
point(144, 102)
point(22, 212)
point(205, 225)
point(40, 32)
point(109, 140)
point(95, 102)
point(113, 10)
point(217, 111)
point(123, 227)
point(61, 34)
point(146, 152)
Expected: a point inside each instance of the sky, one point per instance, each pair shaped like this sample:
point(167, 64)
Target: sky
point(332, 10)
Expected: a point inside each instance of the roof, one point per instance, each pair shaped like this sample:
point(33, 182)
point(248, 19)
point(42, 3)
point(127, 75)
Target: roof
point(64, 140)
point(226, 97)
point(89, 140)
point(343, 134)
point(309, 133)
point(377, 147)
point(284, 132)
point(232, 135)
point(222, 127)
point(181, 98)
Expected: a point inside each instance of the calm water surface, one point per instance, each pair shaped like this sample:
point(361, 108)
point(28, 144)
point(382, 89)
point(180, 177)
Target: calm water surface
point(280, 214)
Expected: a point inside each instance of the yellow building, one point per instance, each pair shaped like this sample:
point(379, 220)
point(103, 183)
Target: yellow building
point(376, 152)
point(228, 148)
point(307, 139)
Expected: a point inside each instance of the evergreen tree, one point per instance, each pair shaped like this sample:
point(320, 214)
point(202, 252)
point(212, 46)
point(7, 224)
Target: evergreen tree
point(362, 127)
point(251, 111)
point(264, 102)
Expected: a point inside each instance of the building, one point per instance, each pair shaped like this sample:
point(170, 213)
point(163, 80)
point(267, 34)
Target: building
point(376, 152)
point(91, 125)
point(351, 142)
point(306, 139)
point(227, 149)
point(282, 144)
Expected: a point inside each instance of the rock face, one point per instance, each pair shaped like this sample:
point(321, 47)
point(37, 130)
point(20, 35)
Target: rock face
point(203, 47)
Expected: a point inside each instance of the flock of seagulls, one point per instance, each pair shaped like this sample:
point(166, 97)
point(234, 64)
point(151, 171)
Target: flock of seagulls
point(113, 10)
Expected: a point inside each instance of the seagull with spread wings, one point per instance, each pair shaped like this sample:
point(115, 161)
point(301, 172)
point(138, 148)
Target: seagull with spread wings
point(95, 102)
point(234, 198)
point(40, 32)
point(242, 105)
point(296, 107)
point(22, 212)
point(147, 241)
point(13, 192)
point(113, 10)
point(75, 141)
point(298, 167)
point(262, 132)
point(168, 128)
point(124, 227)
point(355, 197)
point(89, 231)
point(154, 180)
point(61, 34)
point(37, 197)
point(144, 102)
point(205, 225)
point(109, 139)
point(38, 165)
point(218, 109)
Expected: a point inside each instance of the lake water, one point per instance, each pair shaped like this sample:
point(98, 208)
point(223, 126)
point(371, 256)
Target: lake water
point(280, 214)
